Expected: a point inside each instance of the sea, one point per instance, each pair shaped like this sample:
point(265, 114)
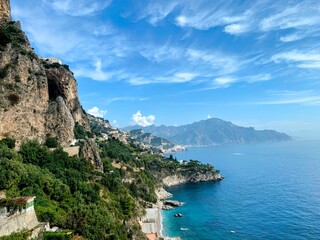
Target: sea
point(270, 191)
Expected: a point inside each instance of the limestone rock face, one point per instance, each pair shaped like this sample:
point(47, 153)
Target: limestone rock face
point(23, 94)
point(5, 11)
point(38, 98)
point(61, 82)
point(60, 122)
point(89, 151)
point(197, 177)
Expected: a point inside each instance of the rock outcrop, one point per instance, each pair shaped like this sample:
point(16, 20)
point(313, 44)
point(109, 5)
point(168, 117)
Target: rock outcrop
point(90, 151)
point(37, 97)
point(5, 11)
point(196, 177)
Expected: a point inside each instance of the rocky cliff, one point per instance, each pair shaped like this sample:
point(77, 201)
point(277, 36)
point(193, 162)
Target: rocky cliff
point(38, 97)
point(193, 178)
point(5, 13)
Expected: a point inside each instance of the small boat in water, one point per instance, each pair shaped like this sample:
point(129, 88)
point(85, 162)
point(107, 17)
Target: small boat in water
point(178, 215)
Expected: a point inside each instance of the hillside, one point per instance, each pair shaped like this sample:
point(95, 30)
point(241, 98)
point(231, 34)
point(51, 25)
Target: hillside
point(139, 138)
point(91, 185)
point(213, 131)
point(151, 141)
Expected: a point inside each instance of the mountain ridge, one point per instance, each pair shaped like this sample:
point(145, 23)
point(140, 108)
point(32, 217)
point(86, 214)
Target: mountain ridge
point(213, 131)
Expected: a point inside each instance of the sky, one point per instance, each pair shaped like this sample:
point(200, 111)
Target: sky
point(254, 63)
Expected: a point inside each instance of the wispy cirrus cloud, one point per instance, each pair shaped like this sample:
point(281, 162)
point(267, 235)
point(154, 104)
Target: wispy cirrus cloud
point(249, 16)
point(78, 7)
point(97, 73)
point(301, 59)
point(121, 99)
point(307, 98)
point(227, 81)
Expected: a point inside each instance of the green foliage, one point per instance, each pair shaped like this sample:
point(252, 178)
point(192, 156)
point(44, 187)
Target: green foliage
point(128, 205)
point(17, 236)
point(48, 65)
point(67, 191)
point(10, 33)
point(51, 142)
point(57, 236)
point(114, 149)
point(80, 132)
point(9, 142)
point(70, 195)
point(34, 153)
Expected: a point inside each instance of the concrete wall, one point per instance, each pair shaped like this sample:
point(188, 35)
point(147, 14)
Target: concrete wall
point(26, 219)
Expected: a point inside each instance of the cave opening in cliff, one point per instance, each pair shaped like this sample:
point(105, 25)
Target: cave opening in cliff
point(54, 89)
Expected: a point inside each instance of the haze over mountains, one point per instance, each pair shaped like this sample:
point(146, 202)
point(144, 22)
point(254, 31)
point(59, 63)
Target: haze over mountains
point(212, 131)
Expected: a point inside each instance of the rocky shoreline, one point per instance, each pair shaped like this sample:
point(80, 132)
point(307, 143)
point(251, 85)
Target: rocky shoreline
point(173, 180)
point(155, 219)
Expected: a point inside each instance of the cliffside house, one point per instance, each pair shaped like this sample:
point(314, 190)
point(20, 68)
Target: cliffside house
point(17, 214)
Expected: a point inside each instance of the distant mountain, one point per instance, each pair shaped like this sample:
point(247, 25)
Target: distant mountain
point(213, 131)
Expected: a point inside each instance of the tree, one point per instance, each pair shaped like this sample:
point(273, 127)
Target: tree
point(51, 142)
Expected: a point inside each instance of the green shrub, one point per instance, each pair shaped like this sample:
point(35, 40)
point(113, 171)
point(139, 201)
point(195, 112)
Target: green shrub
point(57, 236)
point(51, 142)
point(79, 132)
point(9, 142)
point(17, 236)
point(10, 33)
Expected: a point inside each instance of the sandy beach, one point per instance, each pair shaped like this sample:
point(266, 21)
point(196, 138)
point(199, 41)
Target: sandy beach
point(152, 224)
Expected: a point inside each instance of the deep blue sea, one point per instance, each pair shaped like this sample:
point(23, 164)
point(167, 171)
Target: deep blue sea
point(270, 191)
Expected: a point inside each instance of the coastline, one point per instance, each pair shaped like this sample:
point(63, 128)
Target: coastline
point(152, 223)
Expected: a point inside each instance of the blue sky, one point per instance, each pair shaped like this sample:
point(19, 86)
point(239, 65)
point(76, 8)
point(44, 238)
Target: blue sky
point(255, 63)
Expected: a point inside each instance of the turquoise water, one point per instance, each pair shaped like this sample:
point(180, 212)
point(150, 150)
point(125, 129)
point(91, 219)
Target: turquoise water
point(270, 191)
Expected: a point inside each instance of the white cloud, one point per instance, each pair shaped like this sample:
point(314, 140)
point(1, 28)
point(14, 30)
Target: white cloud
point(308, 59)
point(156, 11)
point(257, 78)
point(314, 65)
point(97, 74)
point(78, 7)
point(118, 99)
point(308, 98)
point(140, 80)
point(222, 63)
point(236, 28)
point(161, 53)
point(209, 116)
point(292, 37)
point(141, 120)
point(182, 21)
point(254, 16)
point(185, 76)
point(225, 81)
point(97, 112)
point(292, 17)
